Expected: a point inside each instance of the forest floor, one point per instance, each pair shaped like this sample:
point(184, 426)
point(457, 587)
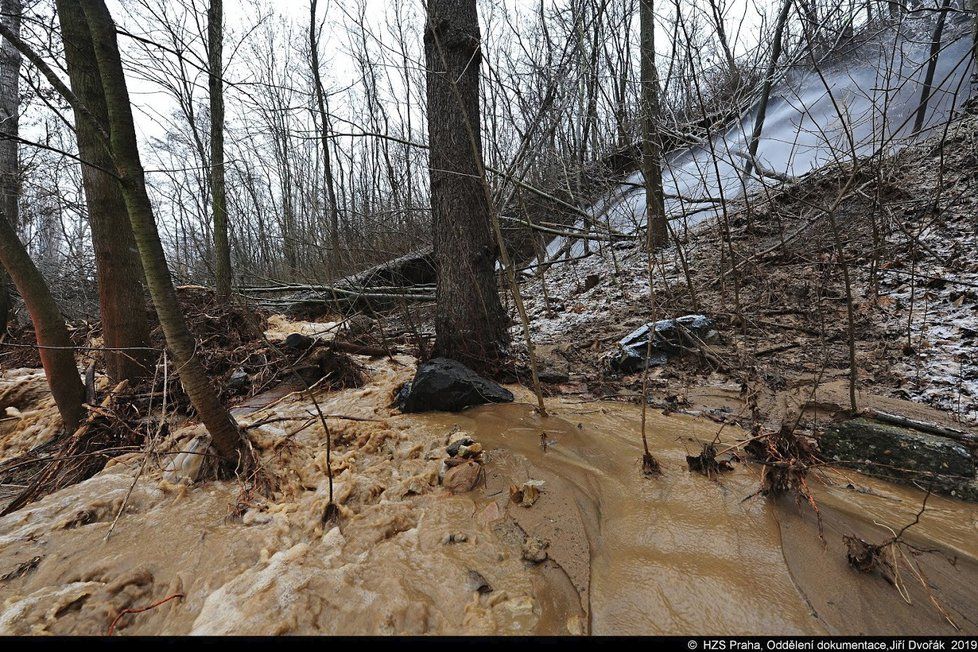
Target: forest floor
point(907, 225)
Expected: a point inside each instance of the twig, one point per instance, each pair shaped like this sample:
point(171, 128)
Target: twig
point(139, 611)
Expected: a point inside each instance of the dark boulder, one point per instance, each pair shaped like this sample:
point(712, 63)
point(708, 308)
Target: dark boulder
point(449, 386)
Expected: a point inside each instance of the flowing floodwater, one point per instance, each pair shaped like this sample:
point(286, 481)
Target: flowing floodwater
point(627, 554)
point(862, 101)
point(682, 553)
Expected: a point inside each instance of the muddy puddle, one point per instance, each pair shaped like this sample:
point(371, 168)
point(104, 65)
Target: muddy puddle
point(625, 554)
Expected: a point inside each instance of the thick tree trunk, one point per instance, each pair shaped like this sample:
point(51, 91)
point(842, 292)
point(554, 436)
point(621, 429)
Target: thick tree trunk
point(122, 297)
point(225, 436)
point(9, 126)
point(470, 325)
point(658, 229)
point(57, 355)
point(222, 248)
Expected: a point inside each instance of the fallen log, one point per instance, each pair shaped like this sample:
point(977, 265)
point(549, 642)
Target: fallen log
point(409, 278)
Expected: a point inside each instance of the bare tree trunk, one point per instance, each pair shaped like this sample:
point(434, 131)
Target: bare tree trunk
point(334, 220)
point(973, 5)
point(122, 297)
point(57, 355)
point(658, 229)
point(755, 137)
point(9, 126)
point(935, 52)
point(219, 203)
point(225, 436)
point(470, 325)
point(724, 42)
point(55, 350)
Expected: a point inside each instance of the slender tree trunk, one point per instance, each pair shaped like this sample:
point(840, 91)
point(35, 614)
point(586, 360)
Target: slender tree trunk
point(56, 353)
point(772, 66)
point(225, 436)
point(55, 349)
point(222, 250)
point(9, 126)
point(331, 205)
point(935, 52)
point(470, 325)
point(122, 297)
point(724, 42)
point(973, 5)
point(658, 230)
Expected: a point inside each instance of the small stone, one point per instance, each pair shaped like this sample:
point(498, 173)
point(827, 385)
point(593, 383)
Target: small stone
point(238, 381)
point(455, 537)
point(477, 582)
point(535, 550)
point(462, 478)
point(298, 341)
point(526, 494)
point(470, 451)
point(459, 440)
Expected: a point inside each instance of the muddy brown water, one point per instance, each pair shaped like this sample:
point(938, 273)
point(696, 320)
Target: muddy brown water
point(682, 553)
point(679, 554)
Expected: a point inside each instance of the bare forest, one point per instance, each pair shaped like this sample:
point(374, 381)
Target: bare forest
point(488, 317)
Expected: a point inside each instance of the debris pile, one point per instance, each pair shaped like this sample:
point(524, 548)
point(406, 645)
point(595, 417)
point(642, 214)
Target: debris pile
point(461, 470)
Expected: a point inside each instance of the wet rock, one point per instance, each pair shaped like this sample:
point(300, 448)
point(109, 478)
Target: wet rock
point(458, 440)
point(186, 465)
point(904, 455)
point(667, 339)
point(462, 477)
point(447, 385)
point(299, 342)
point(239, 381)
point(476, 582)
point(447, 464)
point(526, 494)
point(552, 375)
point(535, 550)
point(471, 451)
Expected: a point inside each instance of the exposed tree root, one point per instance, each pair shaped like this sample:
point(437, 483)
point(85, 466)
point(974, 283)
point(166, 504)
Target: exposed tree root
point(786, 459)
point(707, 463)
point(650, 466)
point(894, 557)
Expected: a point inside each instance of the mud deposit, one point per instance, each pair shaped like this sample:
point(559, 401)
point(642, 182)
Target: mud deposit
point(624, 554)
